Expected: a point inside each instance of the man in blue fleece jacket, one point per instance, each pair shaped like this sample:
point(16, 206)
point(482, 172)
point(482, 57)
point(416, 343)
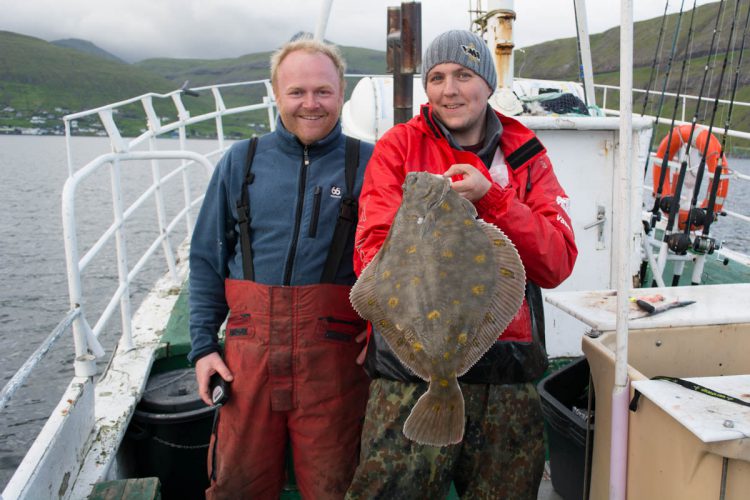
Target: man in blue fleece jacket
point(273, 248)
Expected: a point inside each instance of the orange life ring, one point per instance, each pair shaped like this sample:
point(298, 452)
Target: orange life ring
point(680, 137)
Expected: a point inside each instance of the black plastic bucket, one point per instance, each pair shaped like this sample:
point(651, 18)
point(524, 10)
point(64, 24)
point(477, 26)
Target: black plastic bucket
point(171, 430)
point(564, 396)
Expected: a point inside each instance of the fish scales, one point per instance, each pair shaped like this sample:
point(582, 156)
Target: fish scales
point(440, 290)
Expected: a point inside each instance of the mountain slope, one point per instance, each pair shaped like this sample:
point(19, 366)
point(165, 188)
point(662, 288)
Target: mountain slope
point(87, 48)
point(37, 75)
point(543, 60)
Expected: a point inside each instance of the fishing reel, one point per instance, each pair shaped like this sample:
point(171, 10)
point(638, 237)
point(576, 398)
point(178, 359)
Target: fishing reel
point(665, 203)
point(697, 217)
point(678, 242)
point(704, 245)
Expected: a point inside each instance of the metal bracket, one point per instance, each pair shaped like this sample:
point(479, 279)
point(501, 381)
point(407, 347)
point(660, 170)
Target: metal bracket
point(601, 218)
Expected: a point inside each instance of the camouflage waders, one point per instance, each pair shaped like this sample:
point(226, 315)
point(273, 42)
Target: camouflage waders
point(500, 457)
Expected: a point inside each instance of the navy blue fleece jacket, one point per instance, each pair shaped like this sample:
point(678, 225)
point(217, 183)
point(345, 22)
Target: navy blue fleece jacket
point(294, 208)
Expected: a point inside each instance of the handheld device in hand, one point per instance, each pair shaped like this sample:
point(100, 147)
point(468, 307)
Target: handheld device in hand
point(219, 389)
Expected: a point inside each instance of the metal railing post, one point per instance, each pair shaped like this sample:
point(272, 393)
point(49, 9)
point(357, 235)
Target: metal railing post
point(126, 338)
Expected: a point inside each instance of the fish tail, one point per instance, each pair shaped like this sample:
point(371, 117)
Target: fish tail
point(438, 417)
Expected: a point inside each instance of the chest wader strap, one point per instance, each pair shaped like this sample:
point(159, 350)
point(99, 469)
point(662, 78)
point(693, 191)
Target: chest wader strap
point(243, 214)
point(347, 214)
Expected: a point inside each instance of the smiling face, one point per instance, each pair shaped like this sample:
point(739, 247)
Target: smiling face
point(309, 95)
point(459, 99)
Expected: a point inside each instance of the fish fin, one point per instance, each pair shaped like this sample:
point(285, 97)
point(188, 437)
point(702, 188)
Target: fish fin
point(364, 300)
point(362, 295)
point(507, 295)
point(437, 418)
point(468, 206)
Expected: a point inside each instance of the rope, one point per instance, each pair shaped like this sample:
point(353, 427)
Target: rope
point(180, 446)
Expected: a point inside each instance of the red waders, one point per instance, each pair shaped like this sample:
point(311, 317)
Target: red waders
point(292, 352)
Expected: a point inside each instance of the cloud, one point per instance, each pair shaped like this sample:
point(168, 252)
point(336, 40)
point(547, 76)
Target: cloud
point(138, 29)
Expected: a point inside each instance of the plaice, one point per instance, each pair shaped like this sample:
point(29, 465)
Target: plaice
point(440, 291)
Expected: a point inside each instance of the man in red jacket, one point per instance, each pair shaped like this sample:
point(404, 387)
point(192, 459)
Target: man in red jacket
point(500, 166)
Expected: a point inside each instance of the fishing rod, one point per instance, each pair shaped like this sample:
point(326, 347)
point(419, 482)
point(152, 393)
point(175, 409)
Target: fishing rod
point(665, 160)
point(664, 87)
point(695, 214)
point(659, 45)
point(656, 210)
point(675, 241)
point(704, 244)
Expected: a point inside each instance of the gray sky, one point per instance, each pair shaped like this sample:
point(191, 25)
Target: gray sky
point(139, 29)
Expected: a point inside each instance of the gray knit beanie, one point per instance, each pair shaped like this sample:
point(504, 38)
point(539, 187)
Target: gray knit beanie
point(464, 48)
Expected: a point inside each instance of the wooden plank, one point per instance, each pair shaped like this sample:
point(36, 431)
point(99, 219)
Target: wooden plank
point(147, 488)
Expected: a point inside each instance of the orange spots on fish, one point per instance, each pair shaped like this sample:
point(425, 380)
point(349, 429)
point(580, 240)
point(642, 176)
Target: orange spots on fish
point(446, 206)
point(442, 274)
point(477, 289)
point(436, 408)
point(447, 355)
point(393, 301)
point(499, 243)
point(447, 253)
point(412, 249)
point(443, 383)
point(456, 302)
point(433, 315)
point(417, 346)
point(437, 234)
point(416, 280)
point(386, 274)
point(462, 338)
point(468, 222)
point(507, 273)
point(480, 259)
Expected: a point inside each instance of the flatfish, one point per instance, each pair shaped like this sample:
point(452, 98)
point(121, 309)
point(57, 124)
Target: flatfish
point(440, 290)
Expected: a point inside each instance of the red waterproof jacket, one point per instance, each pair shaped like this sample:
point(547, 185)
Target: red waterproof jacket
point(530, 209)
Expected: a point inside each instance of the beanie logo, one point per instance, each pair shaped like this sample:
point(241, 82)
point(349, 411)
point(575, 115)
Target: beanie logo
point(471, 52)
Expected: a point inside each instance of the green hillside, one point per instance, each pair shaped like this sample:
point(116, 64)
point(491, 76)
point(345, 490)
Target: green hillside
point(37, 75)
point(87, 47)
point(40, 82)
point(45, 81)
point(543, 61)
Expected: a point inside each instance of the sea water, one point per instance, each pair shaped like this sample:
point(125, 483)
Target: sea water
point(33, 284)
point(33, 279)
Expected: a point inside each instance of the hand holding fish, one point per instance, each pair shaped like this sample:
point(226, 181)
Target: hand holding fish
point(473, 186)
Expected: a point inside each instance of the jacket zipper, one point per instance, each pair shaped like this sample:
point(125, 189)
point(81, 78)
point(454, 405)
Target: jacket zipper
point(297, 218)
point(316, 212)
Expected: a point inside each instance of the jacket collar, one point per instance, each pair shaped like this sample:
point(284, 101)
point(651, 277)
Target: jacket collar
point(518, 144)
point(492, 131)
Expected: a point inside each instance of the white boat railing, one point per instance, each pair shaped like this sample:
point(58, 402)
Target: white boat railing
point(87, 346)
point(684, 113)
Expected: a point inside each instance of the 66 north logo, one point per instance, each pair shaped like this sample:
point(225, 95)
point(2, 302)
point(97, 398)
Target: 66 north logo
point(335, 192)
